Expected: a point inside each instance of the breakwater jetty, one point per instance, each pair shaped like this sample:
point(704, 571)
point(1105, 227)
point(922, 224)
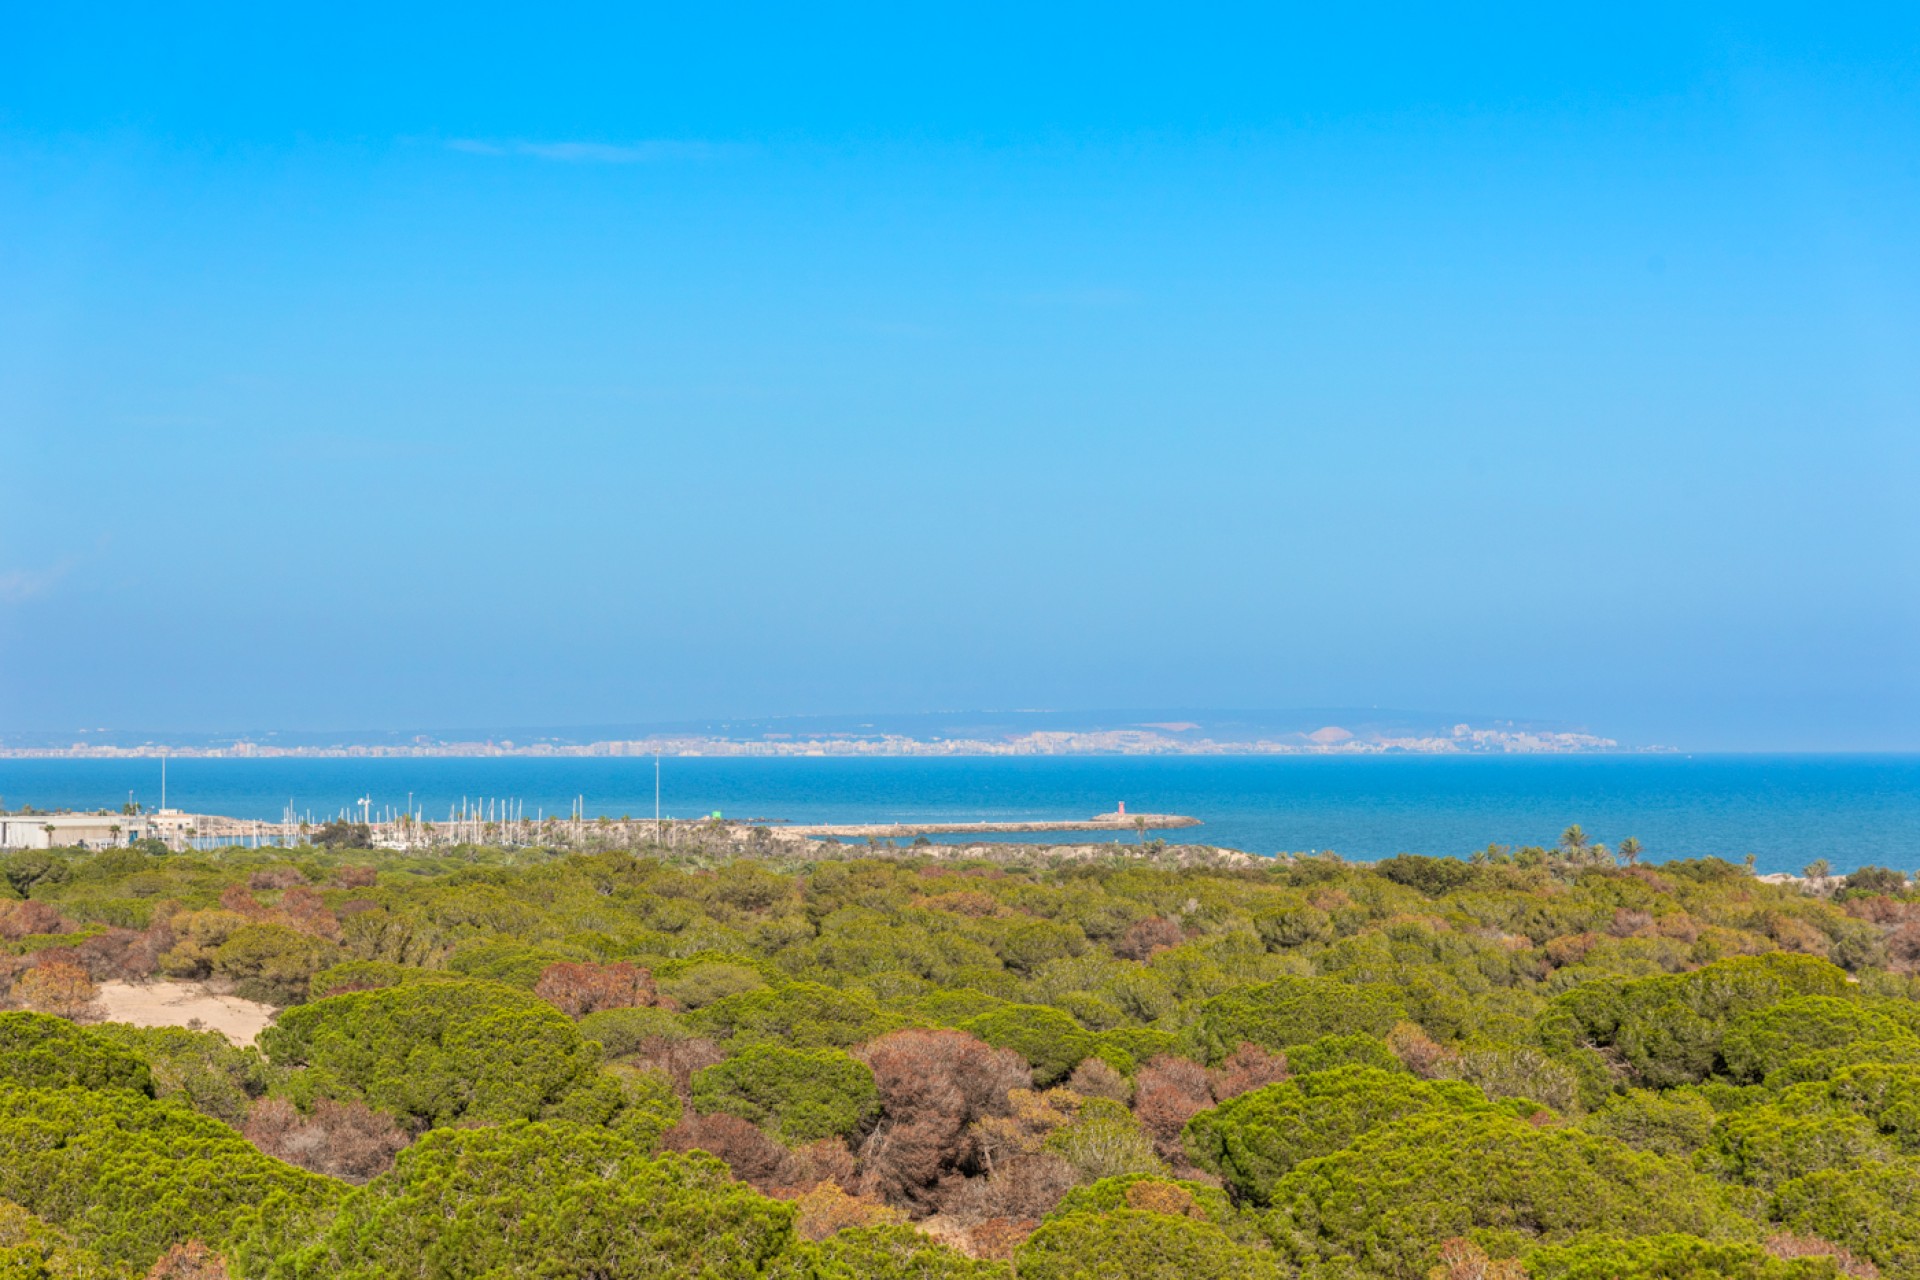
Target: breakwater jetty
point(1114, 822)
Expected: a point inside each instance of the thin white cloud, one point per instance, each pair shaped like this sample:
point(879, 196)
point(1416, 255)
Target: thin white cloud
point(643, 152)
point(19, 585)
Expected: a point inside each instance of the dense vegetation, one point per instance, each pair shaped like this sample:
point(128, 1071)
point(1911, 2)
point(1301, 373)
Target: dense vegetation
point(629, 1064)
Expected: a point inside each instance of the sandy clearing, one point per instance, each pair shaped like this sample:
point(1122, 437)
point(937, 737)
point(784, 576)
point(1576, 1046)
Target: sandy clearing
point(175, 1004)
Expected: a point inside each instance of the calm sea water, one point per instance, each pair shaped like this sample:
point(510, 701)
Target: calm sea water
point(1786, 810)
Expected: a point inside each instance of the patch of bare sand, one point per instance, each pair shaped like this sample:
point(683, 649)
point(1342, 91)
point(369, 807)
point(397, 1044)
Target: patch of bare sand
point(179, 1004)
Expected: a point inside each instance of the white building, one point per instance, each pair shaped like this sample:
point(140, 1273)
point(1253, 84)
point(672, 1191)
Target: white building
point(64, 830)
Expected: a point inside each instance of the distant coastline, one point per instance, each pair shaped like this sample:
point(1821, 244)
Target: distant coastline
point(1461, 739)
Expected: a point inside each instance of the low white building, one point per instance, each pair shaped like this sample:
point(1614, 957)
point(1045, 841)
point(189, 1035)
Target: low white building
point(65, 830)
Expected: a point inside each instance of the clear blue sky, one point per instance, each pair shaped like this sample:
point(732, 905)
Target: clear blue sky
point(368, 366)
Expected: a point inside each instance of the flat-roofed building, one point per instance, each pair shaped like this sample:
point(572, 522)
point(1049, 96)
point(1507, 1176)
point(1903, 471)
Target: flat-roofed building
point(66, 830)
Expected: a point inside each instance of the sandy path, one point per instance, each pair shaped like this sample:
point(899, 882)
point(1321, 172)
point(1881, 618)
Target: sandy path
point(175, 1004)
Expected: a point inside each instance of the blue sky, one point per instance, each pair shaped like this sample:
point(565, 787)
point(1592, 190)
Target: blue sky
point(470, 366)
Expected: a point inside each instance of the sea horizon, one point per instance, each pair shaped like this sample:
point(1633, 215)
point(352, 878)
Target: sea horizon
point(1786, 809)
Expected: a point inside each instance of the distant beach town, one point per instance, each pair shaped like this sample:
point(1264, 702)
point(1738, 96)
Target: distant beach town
point(1170, 739)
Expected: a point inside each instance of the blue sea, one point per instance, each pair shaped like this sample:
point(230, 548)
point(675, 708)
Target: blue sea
point(1785, 810)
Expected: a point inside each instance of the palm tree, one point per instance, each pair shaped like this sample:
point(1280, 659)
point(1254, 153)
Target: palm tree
point(1817, 871)
point(1630, 851)
point(1140, 825)
point(1573, 838)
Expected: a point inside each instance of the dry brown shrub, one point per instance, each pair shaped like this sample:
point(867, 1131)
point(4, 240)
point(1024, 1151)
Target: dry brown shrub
point(1903, 949)
point(997, 1238)
point(934, 1085)
point(963, 902)
point(57, 986)
point(580, 989)
point(1154, 1196)
point(23, 919)
point(189, 1261)
point(1651, 878)
point(306, 911)
point(270, 878)
point(828, 1208)
point(1024, 1187)
point(1570, 948)
point(237, 899)
point(1167, 1093)
point(1679, 926)
point(1787, 1246)
point(1462, 1259)
point(1879, 909)
point(1144, 937)
point(123, 953)
point(346, 1140)
point(754, 1157)
point(1247, 1068)
point(1795, 934)
point(356, 877)
point(821, 1161)
point(1419, 1052)
point(1329, 899)
point(676, 1059)
point(1032, 1117)
point(1629, 923)
point(1096, 1079)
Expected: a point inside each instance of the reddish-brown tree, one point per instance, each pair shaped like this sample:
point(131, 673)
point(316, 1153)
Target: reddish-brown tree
point(754, 1157)
point(189, 1261)
point(20, 919)
point(57, 986)
point(1144, 937)
point(580, 989)
point(828, 1208)
point(933, 1086)
point(1247, 1068)
point(346, 1140)
point(1167, 1093)
point(1787, 1246)
point(1095, 1079)
point(306, 911)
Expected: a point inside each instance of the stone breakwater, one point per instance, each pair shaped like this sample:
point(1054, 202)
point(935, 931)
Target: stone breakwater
point(1118, 823)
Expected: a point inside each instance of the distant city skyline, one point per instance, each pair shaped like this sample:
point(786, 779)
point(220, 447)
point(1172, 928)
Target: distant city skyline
point(643, 365)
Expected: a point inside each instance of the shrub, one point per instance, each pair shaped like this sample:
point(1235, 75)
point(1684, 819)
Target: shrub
point(882, 1252)
point(800, 1015)
point(1140, 1246)
point(131, 1176)
point(202, 1069)
point(40, 1051)
point(1663, 1124)
point(1329, 1052)
point(1388, 1199)
point(1104, 1141)
point(34, 1250)
point(547, 1199)
point(1768, 1039)
point(1291, 1011)
point(802, 1094)
point(1051, 1041)
point(1669, 1257)
point(272, 963)
point(1872, 1210)
point(438, 1052)
point(1766, 1146)
point(1255, 1140)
